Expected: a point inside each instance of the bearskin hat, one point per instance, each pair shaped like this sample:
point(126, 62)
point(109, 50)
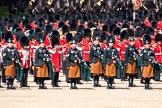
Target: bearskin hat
point(111, 27)
point(78, 37)
point(8, 37)
point(24, 41)
point(40, 37)
point(61, 24)
point(131, 32)
point(147, 39)
point(125, 25)
point(31, 35)
point(37, 30)
point(19, 34)
point(124, 34)
point(54, 41)
point(87, 33)
point(17, 30)
point(73, 26)
point(80, 29)
point(116, 31)
point(69, 37)
point(105, 27)
point(65, 29)
point(28, 27)
point(139, 32)
point(103, 36)
point(48, 29)
point(154, 24)
point(137, 22)
point(96, 33)
point(149, 31)
point(158, 37)
point(55, 33)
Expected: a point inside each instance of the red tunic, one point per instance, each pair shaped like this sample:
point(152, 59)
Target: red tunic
point(160, 25)
point(56, 60)
point(25, 58)
point(138, 44)
point(65, 49)
point(33, 45)
point(47, 41)
point(86, 45)
point(63, 40)
point(18, 46)
point(147, 23)
point(103, 45)
point(158, 53)
point(122, 51)
point(117, 45)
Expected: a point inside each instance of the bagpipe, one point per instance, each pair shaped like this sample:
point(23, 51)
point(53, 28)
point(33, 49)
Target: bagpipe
point(119, 65)
point(85, 71)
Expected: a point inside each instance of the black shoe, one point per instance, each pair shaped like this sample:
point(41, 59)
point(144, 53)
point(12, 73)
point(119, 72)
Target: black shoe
point(44, 87)
point(79, 83)
point(130, 85)
point(71, 87)
point(75, 87)
point(133, 85)
point(147, 88)
point(40, 87)
point(55, 85)
point(98, 85)
point(1, 86)
point(8, 88)
point(95, 85)
point(13, 88)
point(110, 87)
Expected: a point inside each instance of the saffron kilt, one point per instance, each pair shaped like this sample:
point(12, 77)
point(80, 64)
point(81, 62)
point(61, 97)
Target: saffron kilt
point(148, 71)
point(74, 71)
point(110, 70)
point(42, 71)
point(96, 68)
point(131, 68)
point(10, 70)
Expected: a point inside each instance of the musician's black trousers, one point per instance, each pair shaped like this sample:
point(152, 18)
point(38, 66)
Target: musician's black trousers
point(24, 80)
point(10, 81)
point(55, 77)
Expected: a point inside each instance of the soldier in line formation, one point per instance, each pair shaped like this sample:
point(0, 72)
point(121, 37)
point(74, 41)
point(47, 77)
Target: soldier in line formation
point(86, 46)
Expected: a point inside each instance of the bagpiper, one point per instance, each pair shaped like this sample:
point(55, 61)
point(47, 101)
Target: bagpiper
point(96, 56)
point(73, 61)
point(42, 59)
point(131, 60)
point(111, 57)
point(148, 59)
point(11, 59)
point(25, 60)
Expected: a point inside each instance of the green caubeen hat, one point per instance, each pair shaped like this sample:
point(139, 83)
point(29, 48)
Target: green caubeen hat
point(147, 39)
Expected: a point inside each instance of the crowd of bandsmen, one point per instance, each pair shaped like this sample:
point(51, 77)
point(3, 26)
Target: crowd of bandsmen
point(84, 46)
